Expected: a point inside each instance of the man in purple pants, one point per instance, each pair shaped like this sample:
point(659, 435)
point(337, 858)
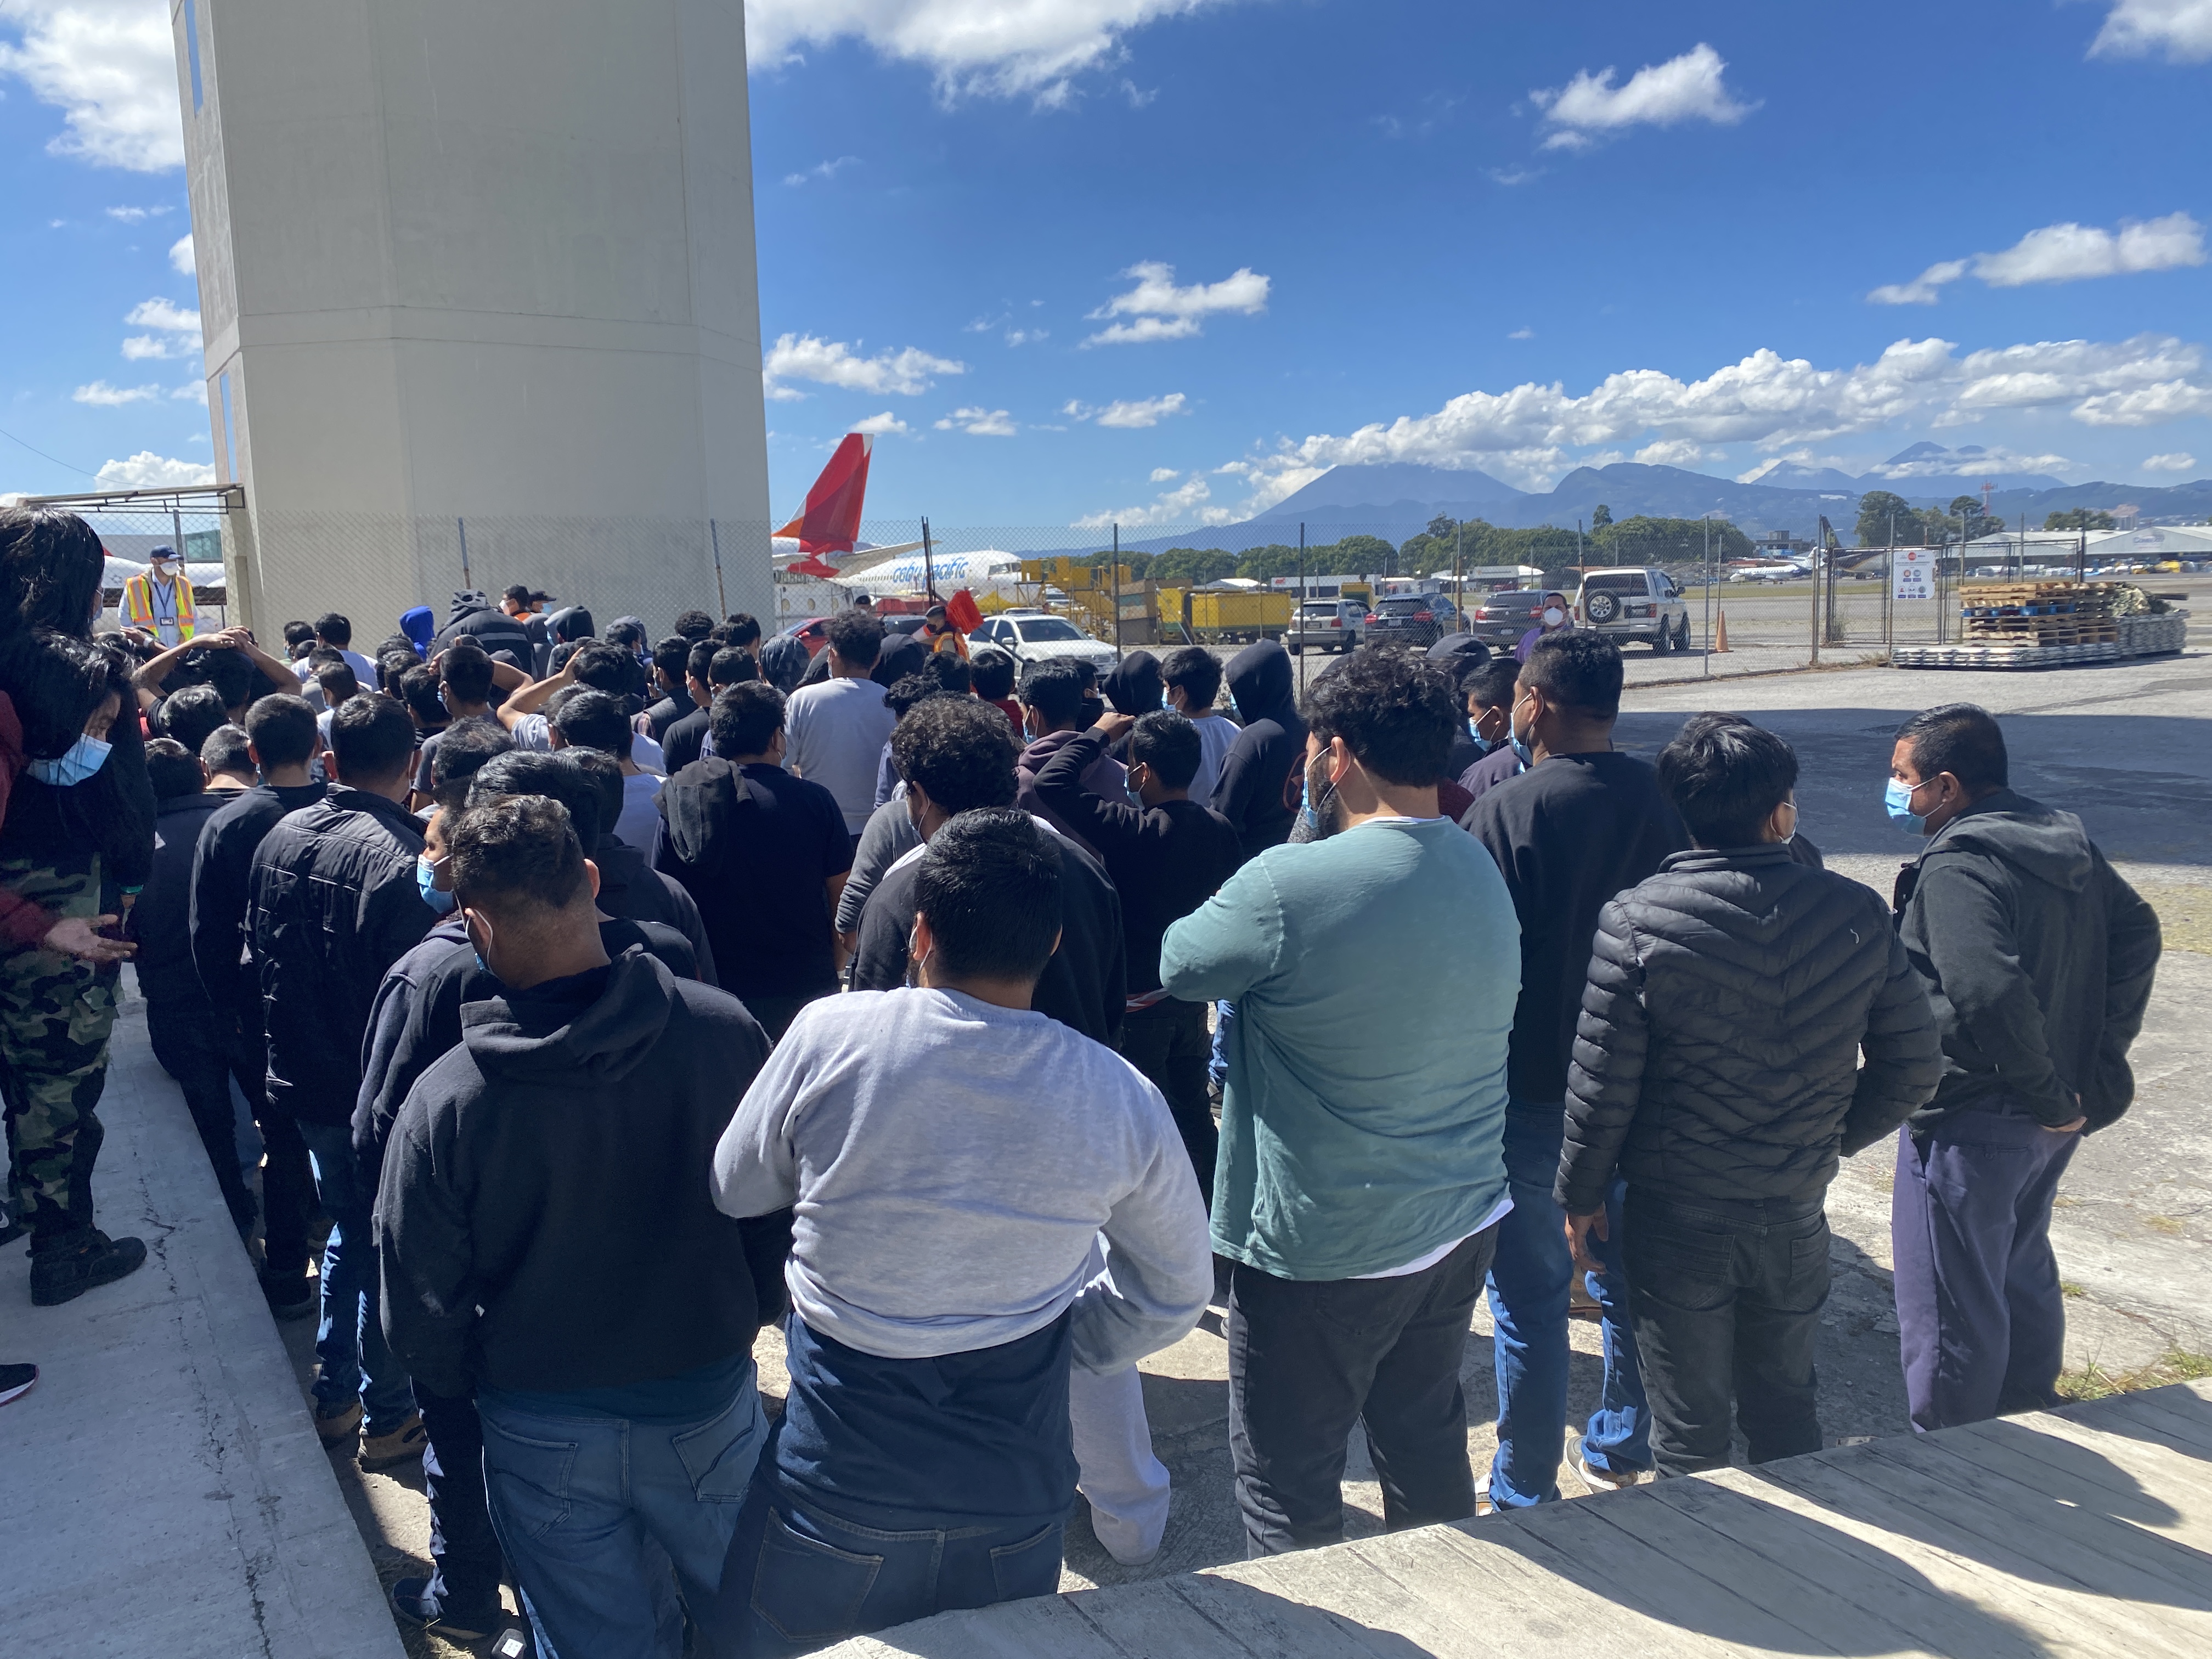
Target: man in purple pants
point(2038, 959)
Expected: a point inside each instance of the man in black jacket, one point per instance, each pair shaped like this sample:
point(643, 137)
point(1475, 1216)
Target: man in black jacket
point(1717, 1068)
point(335, 902)
point(551, 1245)
point(670, 658)
point(955, 753)
point(1167, 858)
point(500, 634)
point(1258, 790)
point(1583, 823)
point(2040, 960)
point(283, 742)
point(629, 887)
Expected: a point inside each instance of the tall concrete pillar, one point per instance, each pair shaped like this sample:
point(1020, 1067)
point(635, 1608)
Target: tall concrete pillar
point(478, 288)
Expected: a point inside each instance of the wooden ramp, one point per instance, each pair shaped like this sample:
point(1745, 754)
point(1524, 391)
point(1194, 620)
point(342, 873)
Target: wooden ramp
point(2085, 1531)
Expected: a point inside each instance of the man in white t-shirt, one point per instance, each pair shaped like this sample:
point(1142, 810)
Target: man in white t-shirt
point(335, 632)
point(835, 730)
point(601, 667)
point(1192, 678)
point(592, 719)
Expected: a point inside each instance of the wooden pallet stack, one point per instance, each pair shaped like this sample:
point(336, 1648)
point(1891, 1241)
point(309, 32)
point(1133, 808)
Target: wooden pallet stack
point(2039, 614)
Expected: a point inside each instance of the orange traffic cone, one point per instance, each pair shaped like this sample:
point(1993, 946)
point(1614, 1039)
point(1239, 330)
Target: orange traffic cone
point(1720, 632)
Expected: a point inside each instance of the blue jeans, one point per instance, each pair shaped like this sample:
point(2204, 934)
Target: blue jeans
point(800, 1579)
point(1217, 1064)
point(595, 1511)
point(349, 1341)
point(1529, 1283)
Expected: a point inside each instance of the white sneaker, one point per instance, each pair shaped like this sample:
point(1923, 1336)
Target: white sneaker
point(1603, 1479)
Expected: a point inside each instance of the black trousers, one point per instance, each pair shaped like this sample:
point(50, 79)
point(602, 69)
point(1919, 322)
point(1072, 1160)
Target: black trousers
point(1726, 1301)
point(466, 1562)
point(288, 1178)
point(192, 1051)
point(1169, 1043)
point(1309, 1359)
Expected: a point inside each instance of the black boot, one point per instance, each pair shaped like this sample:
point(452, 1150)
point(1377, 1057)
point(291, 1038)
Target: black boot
point(65, 1266)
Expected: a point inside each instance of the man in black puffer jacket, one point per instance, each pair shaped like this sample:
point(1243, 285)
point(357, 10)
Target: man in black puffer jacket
point(502, 635)
point(1717, 1065)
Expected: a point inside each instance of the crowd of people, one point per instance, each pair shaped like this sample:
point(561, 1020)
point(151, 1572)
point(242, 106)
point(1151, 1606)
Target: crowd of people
point(599, 1002)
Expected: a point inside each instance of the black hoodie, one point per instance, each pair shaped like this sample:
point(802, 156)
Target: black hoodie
point(631, 888)
point(1260, 776)
point(491, 628)
point(756, 849)
point(544, 1219)
point(2038, 960)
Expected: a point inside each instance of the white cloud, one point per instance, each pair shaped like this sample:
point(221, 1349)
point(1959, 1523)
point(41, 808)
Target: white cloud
point(1922, 291)
point(1690, 88)
point(193, 391)
point(1676, 452)
point(824, 170)
point(971, 47)
point(1021, 336)
point(1182, 504)
point(979, 422)
point(161, 313)
point(1958, 464)
point(879, 425)
point(2180, 30)
point(1164, 475)
point(110, 66)
point(1128, 412)
point(2150, 406)
point(139, 347)
point(147, 470)
point(134, 215)
point(1164, 311)
point(181, 258)
point(1522, 333)
point(2063, 253)
point(101, 395)
point(2179, 461)
point(1515, 175)
point(906, 372)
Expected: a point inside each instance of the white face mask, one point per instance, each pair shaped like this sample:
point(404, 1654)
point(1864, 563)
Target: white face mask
point(1554, 616)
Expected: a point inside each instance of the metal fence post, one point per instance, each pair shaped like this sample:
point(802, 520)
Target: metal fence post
point(463, 525)
point(715, 539)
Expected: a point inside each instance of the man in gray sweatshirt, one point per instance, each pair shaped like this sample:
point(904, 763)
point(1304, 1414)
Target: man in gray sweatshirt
point(956, 1159)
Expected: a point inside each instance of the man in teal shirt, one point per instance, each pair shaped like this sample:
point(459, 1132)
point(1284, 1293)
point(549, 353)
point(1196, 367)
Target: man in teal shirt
point(1361, 1175)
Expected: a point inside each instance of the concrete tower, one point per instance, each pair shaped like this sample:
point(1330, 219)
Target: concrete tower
point(478, 287)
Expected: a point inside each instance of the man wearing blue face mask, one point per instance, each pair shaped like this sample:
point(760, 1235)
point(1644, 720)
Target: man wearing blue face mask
point(2040, 958)
point(1489, 694)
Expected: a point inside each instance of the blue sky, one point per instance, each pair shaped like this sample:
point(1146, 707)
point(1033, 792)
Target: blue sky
point(1167, 258)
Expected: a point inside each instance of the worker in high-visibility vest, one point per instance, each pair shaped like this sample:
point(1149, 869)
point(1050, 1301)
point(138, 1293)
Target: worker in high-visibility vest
point(160, 600)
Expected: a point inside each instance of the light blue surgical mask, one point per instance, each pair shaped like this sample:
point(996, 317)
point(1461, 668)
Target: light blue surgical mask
point(426, 883)
point(1520, 743)
point(81, 760)
point(1483, 745)
point(1898, 797)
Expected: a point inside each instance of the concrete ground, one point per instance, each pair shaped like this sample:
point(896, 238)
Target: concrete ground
point(121, 1431)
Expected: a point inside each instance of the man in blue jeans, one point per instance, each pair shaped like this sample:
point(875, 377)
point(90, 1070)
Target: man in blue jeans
point(1582, 824)
point(548, 1243)
point(956, 1159)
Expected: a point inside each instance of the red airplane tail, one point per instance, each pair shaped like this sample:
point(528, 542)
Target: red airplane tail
point(831, 520)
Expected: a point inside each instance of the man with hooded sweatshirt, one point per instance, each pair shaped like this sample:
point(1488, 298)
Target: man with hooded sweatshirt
point(764, 855)
point(1258, 792)
point(553, 1248)
point(474, 617)
point(2039, 961)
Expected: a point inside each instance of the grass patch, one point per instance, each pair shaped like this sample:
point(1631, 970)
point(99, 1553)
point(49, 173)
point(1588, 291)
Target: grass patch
point(2068, 1288)
point(2184, 916)
point(2164, 1224)
point(2094, 1382)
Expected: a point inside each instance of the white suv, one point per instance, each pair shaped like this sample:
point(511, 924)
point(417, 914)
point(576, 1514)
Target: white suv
point(1327, 625)
point(1636, 602)
point(1030, 637)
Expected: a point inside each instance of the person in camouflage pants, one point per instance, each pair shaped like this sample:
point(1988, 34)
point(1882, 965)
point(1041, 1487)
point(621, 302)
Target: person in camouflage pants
point(56, 1015)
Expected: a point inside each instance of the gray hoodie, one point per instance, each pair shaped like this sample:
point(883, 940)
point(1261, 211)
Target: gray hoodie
point(2038, 960)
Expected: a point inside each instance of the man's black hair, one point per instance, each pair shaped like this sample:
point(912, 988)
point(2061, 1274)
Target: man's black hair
point(298, 633)
point(605, 774)
point(465, 747)
point(1168, 742)
point(958, 751)
point(1194, 671)
point(372, 738)
point(609, 668)
point(592, 719)
point(1490, 684)
point(391, 667)
point(699, 662)
point(903, 692)
point(51, 571)
point(563, 653)
point(517, 853)
point(989, 887)
point(419, 691)
point(339, 683)
point(991, 674)
point(745, 718)
point(283, 731)
point(56, 680)
point(467, 672)
point(669, 656)
point(1396, 713)
point(322, 656)
point(731, 665)
point(189, 715)
point(740, 627)
point(1056, 689)
point(233, 676)
point(948, 672)
point(856, 636)
point(1964, 739)
point(1577, 669)
point(692, 625)
point(516, 593)
point(626, 632)
point(527, 772)
point(1726, 776)
point(173, 769)
point(224, 750)
point(332, 629)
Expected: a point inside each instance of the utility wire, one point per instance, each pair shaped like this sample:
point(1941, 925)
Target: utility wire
point(43, 456)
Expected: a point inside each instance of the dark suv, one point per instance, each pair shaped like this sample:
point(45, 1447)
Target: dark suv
point(1502, 618)
point(1410, 619)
